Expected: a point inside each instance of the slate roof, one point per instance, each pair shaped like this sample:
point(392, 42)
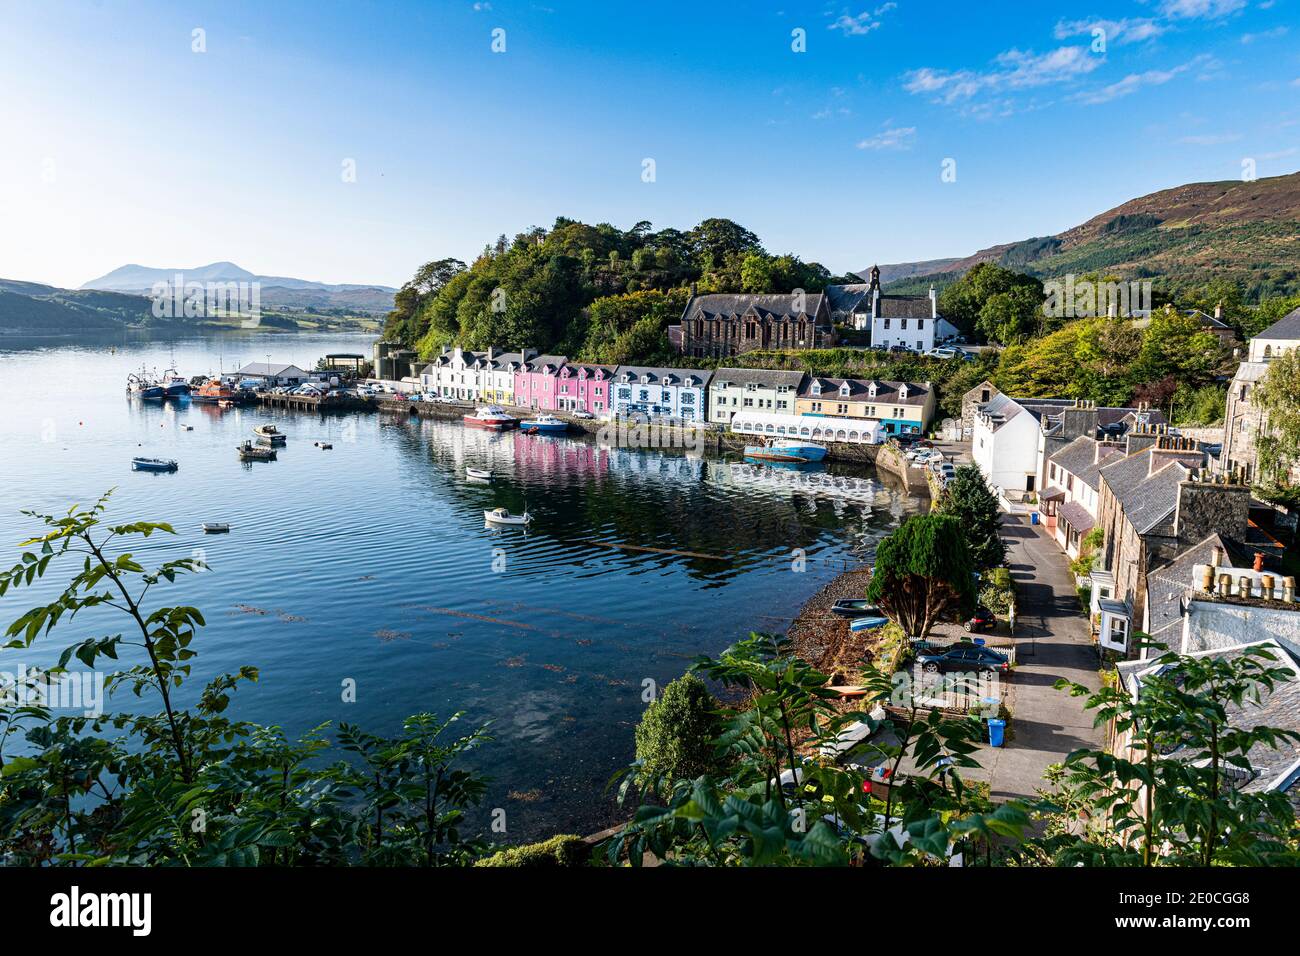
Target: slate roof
point(1145, 500)
point(1077, 516)
point(1168, 584)
point(904, 307)
point(539, 362)
point(1250, 372)
point(844, 299)
point(263, 369)
point(1287, 327)
point(859, 390)
point(1078, 459)
point(766, 377)
point(591, 369)
point(730, 307)
point(661, 376)
point(1274, 768)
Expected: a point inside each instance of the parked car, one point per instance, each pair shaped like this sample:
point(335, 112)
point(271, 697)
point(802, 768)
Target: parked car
point(943, 353)
point(963, 657)
point(583, 415)
point(899, 349)
point(982, 620)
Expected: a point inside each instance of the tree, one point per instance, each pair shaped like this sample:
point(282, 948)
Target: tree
point(1172, 796)
point(963, 303)
point(923, 569)
point(676, 734)
point(1278, 397)
point(970, 500)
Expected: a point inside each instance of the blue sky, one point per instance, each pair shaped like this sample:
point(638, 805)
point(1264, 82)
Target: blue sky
point(119, 143)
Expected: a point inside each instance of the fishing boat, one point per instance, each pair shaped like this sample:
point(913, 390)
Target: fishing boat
point(503, 517)
point(175, 385)
point(141, 385)
point(544, 424)
point(869, 623)
point(855, 607)
point(215, 527)
point(786, 449)
point(250, 452)
point(153, 464)
point(214, 392)
point(482, 474)
point(271, 435)
point(492, 418)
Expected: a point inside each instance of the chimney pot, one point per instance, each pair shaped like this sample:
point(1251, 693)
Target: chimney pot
point(1266, 585)
point(1243, 586)
point(1259, 562)
point(1288, 589)
point(1225, 584)
point(1207, 579)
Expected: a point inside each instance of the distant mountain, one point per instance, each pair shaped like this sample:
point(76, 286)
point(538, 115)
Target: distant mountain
point(891, 272)
point(1180, 237)
point(276, 291)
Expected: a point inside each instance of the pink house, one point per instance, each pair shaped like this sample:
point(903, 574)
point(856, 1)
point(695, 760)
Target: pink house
point(535, 382)
point(585, 388)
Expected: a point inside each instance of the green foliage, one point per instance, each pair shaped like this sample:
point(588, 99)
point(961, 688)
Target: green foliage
point(674, 738)
point(970, 500)
point(631, 328)
point(1199, 406)
point(189, 785)
point(996, 304)
point(1091, 544)
point(1174, 796)
point(561, 850)
point(1278, 396)
point(998, 591)
point(923, 571)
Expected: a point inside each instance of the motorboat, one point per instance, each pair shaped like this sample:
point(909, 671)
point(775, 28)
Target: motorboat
point(492, 418)
point(215, 527)
point(175, 385)
point(153, 464)
point(214, 392)
point(855, 607)
point(270, 434)
point(501, 516)
point(482, 474)
point(250, 452)
point(868, 623)
point(786, 449)
point(544, 424)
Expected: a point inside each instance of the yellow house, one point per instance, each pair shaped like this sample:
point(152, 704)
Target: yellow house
point(902, 407)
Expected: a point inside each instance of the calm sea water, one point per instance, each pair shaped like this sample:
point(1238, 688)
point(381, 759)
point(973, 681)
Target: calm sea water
point(371, 561)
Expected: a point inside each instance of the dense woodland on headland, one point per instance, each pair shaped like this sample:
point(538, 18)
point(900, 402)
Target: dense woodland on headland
point(602, 294)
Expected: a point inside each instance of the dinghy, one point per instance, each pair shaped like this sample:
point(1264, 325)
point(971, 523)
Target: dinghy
point(215, 527)
point(481, 474)
point(867, 623)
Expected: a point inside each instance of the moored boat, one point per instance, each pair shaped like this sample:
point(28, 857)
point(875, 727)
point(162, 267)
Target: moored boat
point(214, 392)
point(544, 424)
point(492, 418)
point(142, 385)
point(855, 607)
point(482, 474)
point(786, 449)
point(270, 434)
point(250, 452)
point(868, 623)
point(153, 464)
point(175, 385)
point(215, 527)
point(504, 517)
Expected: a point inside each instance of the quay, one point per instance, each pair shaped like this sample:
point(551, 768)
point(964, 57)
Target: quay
point(318, 403)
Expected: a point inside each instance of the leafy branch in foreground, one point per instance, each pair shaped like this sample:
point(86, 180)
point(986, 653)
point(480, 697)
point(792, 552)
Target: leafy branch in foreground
point(186, 785)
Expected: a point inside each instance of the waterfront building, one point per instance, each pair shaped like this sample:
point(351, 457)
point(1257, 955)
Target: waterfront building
point(903, 408)
point(1243, 420)
point(274, 374)
point(819, 428)
point(536, 382)
point(720, 325)
point(585, 387)
point(673, 393)
point(734, 390)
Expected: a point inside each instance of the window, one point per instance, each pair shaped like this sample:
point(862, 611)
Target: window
point(749, 403)
point(903, 324)
point(886, 323)
point(688, 398)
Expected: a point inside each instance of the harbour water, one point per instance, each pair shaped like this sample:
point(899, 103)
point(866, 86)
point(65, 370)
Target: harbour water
point(370, 561)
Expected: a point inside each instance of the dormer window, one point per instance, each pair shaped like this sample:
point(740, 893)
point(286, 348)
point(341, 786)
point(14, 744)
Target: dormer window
point(902, 390)
point(871, 389)
point(816, 388)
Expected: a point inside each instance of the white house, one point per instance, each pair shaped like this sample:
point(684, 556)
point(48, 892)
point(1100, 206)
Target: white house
point(910, 321)
point(1070, 498)
point(734, 390)
point(474, 376)
point(1004, 444)
point(661, 392)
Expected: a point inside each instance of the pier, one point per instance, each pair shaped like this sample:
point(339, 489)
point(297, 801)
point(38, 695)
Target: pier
point(318, 403)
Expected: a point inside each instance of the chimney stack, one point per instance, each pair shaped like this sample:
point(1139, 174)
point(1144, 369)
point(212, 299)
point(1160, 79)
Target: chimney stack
point(1266, 585)
point(1259, 562)
point(1218, 311)
point(1216, 556)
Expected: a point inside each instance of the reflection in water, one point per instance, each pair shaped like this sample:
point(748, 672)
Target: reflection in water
point(371, 561)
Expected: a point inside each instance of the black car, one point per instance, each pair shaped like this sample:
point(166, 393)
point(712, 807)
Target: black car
point(982, 620)
point(963, 657)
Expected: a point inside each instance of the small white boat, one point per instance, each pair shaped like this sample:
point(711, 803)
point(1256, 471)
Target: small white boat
point(482, 474)
point(502, 516)
point(216, 527)
point(270, 434)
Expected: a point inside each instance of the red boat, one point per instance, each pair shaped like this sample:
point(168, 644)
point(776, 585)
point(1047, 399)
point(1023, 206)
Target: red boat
point(214, 391)
point(491, 418)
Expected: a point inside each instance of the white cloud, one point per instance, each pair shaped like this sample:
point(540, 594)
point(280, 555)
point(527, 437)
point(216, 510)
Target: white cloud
point(891, 138)
point(862, 23)
point(1200, 9)
point(1119, 32)
point(1272, 34)
point(1136, 81)
point(1012, 70)
point(1210, 139)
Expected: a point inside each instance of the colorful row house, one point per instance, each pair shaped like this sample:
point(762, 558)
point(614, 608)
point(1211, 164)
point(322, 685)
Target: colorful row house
point(585, 388)
point(535, 382)
point(642, 391)
point(903, 408)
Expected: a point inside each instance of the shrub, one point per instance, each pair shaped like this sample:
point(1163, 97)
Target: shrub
point(999, 590)
point(675, 736)
point(564, 849)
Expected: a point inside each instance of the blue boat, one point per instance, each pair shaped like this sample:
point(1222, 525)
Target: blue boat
point(867, 623)
point(544, 425)
point(174, 386)
point(142, 385)
point(786, 449)
point(153, 464)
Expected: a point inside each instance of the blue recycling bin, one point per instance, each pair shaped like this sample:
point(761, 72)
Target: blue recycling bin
point(1033, 517)
point(996, 728)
